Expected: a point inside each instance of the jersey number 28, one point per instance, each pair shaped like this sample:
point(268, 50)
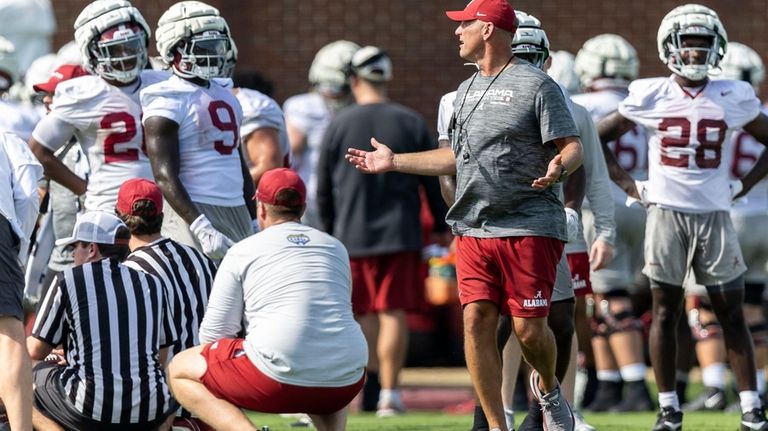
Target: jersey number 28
point(714, 146)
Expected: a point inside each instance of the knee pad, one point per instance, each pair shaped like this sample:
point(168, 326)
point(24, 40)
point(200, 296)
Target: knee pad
point(599, 327)
point(753, 293)
point(703, 330)
point(759, 334)
point(623, 321)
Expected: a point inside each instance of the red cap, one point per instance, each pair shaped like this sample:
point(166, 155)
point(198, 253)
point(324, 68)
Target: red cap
point(498, 12)
point(61, 74)
point(276, 180)
point(138, 189)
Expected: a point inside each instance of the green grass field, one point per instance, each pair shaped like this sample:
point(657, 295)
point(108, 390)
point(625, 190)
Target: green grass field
point(431, 421)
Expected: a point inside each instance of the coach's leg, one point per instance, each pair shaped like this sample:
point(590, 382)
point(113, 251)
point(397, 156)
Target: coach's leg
point(561, 322)
point(331, 422)
point(16, 374)
point(727, 301)
point(483, 362)
point(667, 308)
point(184, 377)
point(539, 348)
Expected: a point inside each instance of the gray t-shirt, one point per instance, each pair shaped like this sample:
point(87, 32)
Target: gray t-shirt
point(501, 146)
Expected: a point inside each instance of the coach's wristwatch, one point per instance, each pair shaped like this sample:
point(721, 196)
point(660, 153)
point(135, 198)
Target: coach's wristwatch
point(563, 174)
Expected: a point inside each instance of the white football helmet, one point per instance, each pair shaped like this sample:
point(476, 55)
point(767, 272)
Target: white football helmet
point(113, 38)
point(606, 56)
point(8, 64)
point(329, 72)
point(530, 41)
point(691, 20)
point(194, 39)
point(742, 63)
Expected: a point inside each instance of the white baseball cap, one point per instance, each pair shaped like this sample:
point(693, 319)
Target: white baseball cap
point(372, 64)
point(95, 226)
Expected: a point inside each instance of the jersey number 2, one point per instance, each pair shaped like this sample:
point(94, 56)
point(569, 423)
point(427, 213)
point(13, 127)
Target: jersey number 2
point(714, 146)
point(111, 154)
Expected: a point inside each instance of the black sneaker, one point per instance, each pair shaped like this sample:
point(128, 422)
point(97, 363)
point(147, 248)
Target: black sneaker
point(713, 399)
point(533, 421)
point(636, 399)
point(754, 420)
point(669, 419)
point(608, 396)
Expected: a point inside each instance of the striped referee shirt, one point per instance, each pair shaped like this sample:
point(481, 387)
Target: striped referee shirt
point(112, 321)
point(187, 275)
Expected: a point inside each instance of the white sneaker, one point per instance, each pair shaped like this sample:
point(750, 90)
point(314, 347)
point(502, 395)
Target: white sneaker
point(580, 424)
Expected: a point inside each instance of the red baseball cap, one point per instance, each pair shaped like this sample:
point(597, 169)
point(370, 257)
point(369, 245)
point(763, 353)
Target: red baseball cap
point(498, 12)
point(138, 189)
point(61, 74)
point(276, 180)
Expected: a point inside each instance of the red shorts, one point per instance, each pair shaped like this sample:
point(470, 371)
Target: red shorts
point(231, 376)
point(515, 273)
point(386, 282)
point(579, 265)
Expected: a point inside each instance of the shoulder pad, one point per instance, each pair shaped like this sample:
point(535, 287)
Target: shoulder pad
point(79, 89)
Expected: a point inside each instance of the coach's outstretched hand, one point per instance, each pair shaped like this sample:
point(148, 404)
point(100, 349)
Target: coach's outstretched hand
point(554, 170)
point(372, 162)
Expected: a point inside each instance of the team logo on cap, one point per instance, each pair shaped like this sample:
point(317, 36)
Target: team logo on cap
point(298, 239)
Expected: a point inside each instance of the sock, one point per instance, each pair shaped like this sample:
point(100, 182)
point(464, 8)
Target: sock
point(389, 396)
point(749, 400)
point(609, 375)
point(633, 372)
point(713, 376)
point(479, 422)
point(371, 390)
point(760, 381)
point(509, 417)
point(669, 399)
point(681, 376)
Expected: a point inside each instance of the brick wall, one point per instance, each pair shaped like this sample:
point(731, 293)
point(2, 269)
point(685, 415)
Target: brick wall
point(279, 38)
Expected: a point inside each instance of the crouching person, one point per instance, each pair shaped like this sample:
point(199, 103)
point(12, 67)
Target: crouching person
point(303, 352)
point(114, 326)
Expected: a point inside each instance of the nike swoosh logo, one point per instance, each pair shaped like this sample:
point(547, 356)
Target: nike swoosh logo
point(480, 14)
point(752, 425)
point(673, 425)
point(725, 93)
point(712, 401)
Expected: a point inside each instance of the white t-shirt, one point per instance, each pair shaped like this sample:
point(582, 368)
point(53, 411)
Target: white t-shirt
point(293, 285)
point(18, 119)
point(310, 115)
point(106, 120)
point(19, 198)
point(444, 115)
point(745, 152)
point(209, 137)
point(631, 149)
point(688, 166)
point(261, 111)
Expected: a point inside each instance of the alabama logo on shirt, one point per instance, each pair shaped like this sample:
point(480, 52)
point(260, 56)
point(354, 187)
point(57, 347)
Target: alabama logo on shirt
point(537, 301)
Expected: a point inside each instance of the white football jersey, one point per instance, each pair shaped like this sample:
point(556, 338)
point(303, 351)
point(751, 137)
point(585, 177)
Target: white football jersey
point(309, 114)
point(688, 128)
point(745, 152)
point(631, 149)
point(106, 120)
point(444, 115)
point(18, 119)
point(209, 137)
point(260, 111)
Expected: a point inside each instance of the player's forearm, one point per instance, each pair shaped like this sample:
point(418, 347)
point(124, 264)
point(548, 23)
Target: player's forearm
point(440, 161)
point(573, 190)
point(757, 173)
point(58, 171)
point(176, 195)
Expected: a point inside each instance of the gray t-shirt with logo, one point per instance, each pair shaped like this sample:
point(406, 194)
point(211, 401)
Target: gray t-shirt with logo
point(502, 144)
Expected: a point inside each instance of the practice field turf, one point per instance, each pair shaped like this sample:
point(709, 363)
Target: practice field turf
point(430, 421)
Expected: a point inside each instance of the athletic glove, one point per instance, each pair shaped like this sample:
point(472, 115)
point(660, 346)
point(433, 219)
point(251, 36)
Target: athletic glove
point(736, 187)
point(643, 192)
point(215, 244)
point(573, 223)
